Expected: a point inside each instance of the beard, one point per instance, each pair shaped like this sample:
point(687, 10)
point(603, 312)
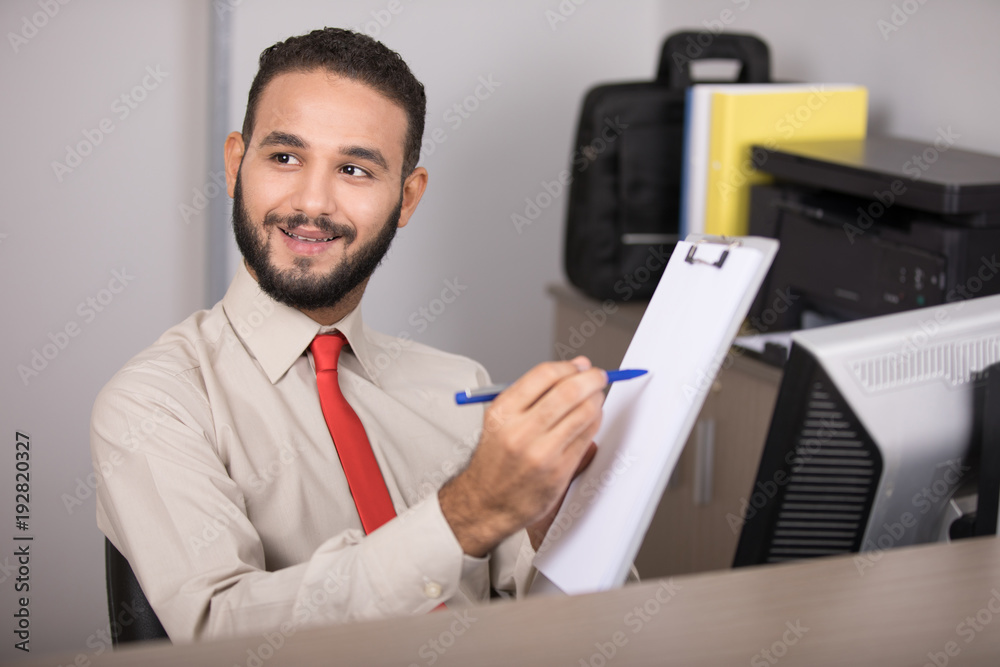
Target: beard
point(298, 287)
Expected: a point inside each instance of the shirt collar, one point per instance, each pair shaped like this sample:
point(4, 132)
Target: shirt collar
point(276, 335)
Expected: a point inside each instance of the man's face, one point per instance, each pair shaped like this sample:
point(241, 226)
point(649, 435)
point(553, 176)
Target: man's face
point(317, 196)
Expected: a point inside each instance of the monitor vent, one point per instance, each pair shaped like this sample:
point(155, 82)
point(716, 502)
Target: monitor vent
point(917, 361)
point(832, 478)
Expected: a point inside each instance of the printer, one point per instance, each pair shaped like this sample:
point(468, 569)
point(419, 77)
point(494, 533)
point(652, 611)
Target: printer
point(874, 226)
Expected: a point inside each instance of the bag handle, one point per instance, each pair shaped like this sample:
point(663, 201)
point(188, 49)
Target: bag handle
point(680, 48)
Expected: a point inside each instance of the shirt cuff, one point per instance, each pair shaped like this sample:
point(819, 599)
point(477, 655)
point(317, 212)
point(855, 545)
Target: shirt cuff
point(416, 557)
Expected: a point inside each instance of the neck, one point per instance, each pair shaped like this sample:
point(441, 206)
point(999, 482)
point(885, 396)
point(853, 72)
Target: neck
point(336, 312)
point(341, 309)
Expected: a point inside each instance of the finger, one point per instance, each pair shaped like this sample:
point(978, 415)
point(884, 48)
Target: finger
point(534, 384)
point(588, 455)
point(570, 439)
point(587, 458)
point(566, 397)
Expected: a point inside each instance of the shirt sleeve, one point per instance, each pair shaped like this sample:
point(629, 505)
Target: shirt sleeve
point(512, 566)
point(162, 482)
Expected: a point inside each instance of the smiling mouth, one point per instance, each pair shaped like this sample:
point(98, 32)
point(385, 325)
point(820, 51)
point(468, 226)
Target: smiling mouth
point(305, 239)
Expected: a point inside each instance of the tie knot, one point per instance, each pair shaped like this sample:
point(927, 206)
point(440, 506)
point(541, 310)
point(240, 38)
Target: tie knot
point(326, 350)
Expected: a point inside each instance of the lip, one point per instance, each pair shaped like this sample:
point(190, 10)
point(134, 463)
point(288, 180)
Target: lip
point(307, 248)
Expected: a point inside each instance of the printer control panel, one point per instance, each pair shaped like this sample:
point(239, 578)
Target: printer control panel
point(910, 278)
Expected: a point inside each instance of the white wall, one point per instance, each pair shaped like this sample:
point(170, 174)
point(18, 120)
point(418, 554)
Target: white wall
point(60, 241)
point(927, 64)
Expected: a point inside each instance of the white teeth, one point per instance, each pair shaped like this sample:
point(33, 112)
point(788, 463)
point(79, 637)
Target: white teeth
point(302, 238)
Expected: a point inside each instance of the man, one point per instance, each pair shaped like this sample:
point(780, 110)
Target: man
point(225, 481)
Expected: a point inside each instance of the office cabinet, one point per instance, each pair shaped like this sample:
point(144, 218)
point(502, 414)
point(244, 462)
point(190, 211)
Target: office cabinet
point(696, 525)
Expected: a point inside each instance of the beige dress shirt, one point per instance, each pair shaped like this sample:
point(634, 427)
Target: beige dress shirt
point(222, 486)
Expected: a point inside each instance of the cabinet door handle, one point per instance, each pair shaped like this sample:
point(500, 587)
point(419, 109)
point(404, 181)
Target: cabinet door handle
point(704, 460)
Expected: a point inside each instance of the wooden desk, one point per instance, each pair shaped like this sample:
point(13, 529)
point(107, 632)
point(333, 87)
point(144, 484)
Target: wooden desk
point(910, 603)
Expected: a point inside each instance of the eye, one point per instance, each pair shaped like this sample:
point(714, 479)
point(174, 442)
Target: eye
point(353, 170)
point(285, 158)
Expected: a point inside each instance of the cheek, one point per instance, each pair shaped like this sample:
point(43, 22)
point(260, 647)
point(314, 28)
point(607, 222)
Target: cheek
point(263, 194)
point(364, 209)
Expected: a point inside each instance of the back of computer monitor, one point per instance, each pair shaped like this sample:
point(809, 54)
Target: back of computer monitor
point(874, 430)
point(817, 477)
point(988, 501)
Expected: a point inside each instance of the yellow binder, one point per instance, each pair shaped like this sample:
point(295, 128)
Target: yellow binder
point(817, 112)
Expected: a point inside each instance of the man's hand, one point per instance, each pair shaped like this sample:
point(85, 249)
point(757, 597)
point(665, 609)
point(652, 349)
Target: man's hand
point(536, 435)
point(538, 530)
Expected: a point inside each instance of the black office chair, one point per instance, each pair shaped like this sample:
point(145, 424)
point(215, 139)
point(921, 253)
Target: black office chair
point(132, 618)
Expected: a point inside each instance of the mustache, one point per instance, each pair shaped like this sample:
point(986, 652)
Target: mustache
point(322, 223)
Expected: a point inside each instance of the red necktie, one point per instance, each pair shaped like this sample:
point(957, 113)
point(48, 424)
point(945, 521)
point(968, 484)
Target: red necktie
point(371, 496)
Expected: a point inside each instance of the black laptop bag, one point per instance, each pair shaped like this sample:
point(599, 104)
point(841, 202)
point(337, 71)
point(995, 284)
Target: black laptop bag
point(624, 199)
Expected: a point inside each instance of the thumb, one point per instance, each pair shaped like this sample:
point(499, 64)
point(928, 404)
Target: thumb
point(587, 458)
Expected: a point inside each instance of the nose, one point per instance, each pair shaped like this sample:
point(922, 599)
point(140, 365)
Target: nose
point(314, 194)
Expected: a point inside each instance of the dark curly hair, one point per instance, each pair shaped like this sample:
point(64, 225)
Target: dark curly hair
point(352, 55)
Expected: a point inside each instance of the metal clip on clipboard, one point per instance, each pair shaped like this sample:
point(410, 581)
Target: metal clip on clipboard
point(729, 243)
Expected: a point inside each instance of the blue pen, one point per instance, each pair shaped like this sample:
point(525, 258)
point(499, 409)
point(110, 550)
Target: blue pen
point(485, 394)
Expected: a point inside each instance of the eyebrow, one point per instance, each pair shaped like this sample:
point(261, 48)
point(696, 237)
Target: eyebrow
point(371, 154)
point(283, 139)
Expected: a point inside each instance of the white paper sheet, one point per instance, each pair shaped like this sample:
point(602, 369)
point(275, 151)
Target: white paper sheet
point(682, 340)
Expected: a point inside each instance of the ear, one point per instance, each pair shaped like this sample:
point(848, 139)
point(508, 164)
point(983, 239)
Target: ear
point(233, 153)
point(413, 190)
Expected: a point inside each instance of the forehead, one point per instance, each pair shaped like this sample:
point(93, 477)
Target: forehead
point(329, 112)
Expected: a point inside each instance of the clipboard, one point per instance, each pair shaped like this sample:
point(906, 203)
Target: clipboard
point(683, 340)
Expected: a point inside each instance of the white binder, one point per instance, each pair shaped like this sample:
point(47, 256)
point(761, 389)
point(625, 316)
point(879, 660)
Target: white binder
point(683, 340)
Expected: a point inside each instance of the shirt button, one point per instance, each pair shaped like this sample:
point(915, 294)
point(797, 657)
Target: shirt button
point(432, 589)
